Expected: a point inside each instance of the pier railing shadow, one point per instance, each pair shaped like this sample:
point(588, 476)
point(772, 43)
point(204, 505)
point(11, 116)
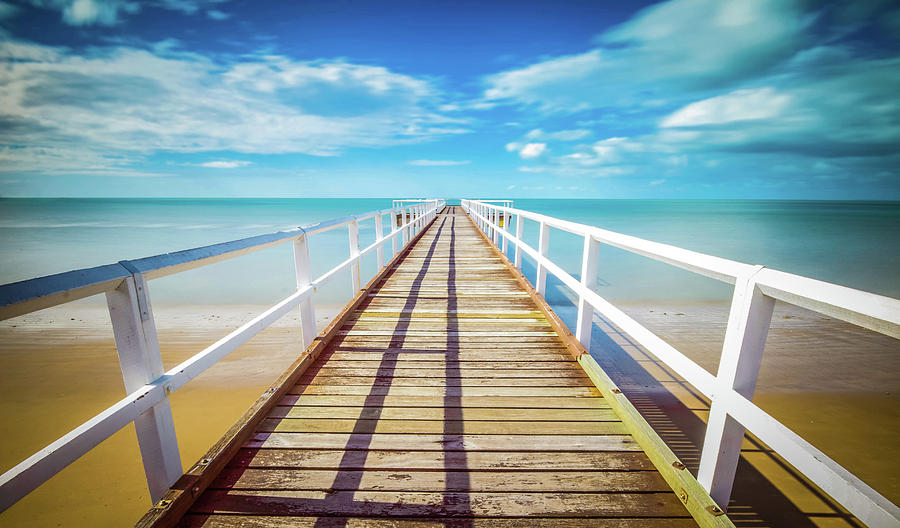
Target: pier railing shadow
point(755, 501)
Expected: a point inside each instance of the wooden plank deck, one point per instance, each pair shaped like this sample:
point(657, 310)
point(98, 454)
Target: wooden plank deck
point(445, 398)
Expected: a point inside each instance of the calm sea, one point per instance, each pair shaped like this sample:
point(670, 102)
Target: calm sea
point(855, 244)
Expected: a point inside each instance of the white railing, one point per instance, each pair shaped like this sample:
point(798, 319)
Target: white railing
point(147, 385)
point(732, 412)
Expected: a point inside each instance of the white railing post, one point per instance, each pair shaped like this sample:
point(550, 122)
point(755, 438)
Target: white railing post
point(393, 233)
point(303, 274)
point(494, 234)
point(404, 227)
point(520, 232)
point(742, 350)
point(139, 358)
point(379, 236)
point(589, 259)
point(543, 249)
point(506, 229)
point(353, 228)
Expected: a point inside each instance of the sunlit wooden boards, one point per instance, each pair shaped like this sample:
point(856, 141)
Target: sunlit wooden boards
point(446, 400)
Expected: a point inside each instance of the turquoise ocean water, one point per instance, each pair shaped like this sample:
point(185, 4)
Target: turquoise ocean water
point(856, 244)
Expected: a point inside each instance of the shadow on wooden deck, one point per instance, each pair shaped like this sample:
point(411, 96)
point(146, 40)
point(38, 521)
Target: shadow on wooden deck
point(755, 500)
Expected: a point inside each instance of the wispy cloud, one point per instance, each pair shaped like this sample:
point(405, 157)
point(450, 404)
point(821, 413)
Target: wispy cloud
point(560, 135)
point(215, 14)
point(229, 164)
point(437, 163)
point(527, 150)
point(110, 12)
point(705, 80)
point(171, 101)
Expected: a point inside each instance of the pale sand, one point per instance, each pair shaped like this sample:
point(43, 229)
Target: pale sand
point(832, 383)
point(59, 372)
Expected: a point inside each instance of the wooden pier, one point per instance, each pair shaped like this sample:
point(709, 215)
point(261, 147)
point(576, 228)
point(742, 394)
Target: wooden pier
point(447, 393)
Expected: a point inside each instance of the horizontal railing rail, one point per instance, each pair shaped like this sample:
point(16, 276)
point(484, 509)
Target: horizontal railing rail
point(146, 384)
point(730, 391)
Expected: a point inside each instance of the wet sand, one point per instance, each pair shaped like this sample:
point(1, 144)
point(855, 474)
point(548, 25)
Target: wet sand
point(834, 384)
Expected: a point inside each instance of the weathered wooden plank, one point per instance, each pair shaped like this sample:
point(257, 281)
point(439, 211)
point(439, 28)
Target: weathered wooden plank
point(432, 346)
point(461, 335)
point(437, 460)
point(433, 323)
point(269, 521)
point(441, 391)
point(563, 371)
point(439, 413)
point(457, 358)
point(440, 480)
point(388, 426)
point(525, 402)
point(440, 442)
point(433, 362)
point(441, 381)
point(446, 504)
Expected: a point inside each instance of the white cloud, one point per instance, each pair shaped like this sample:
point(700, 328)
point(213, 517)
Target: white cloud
point(839, 107)
point(437, 163)
point(215, 14)
point(674, 46)
point(7, 10)
point(654, 183)
point(130, 102)
point(740, 105)
point(109, 12)
point(230, 164)
point(532, 150)
point(561, 135)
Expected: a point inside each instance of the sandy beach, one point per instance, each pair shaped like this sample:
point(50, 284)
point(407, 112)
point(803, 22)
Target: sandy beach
point(832, 383)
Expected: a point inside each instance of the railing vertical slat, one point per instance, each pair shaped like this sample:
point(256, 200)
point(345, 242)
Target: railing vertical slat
point(742, 351)
point(496, 221)
point(393, 231)
point(303, 273)
point(379, 236)
point(520, 232)
point(403, 226)
point(353, 229)
point(505, 242)
point(543, 249)
point(589, 261)
point(139, 358)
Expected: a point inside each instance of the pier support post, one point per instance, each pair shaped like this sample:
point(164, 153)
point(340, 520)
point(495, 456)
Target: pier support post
point(141, 363)
point(589, 259)
point(379, 236)
point(543, 249)
point(403, 226)
point(393, 232)
point(496, 221)
point(353, 228)
point(304, 276)
point(506, 229)
point(520, 232)
point(742, 350)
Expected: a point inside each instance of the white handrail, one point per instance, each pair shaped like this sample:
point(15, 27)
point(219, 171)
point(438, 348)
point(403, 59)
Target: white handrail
point(125, 285)
point(731, 389)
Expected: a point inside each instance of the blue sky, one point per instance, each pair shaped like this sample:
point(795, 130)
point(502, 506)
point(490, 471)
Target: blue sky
point(674, 99)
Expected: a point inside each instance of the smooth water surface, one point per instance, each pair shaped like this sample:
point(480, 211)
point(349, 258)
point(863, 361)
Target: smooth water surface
point(855, 244)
